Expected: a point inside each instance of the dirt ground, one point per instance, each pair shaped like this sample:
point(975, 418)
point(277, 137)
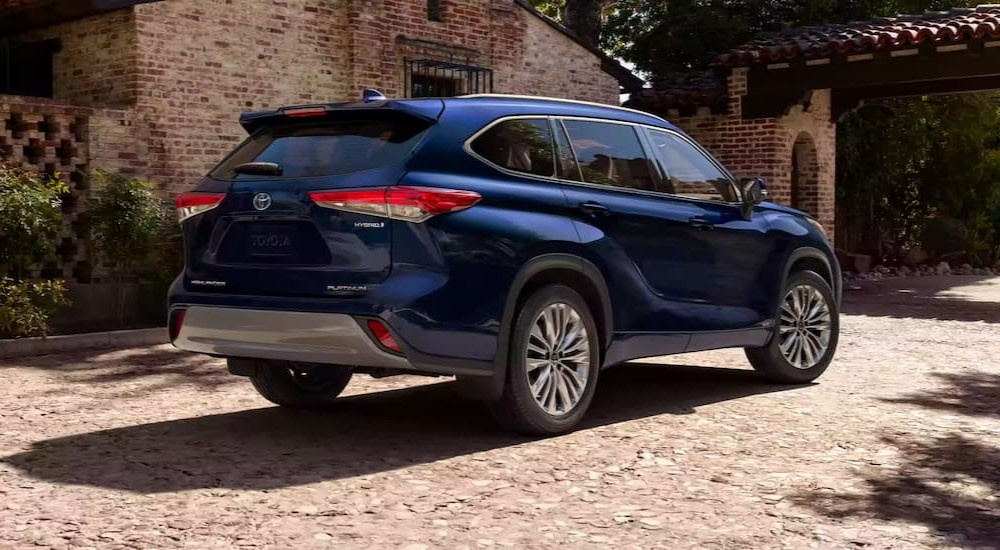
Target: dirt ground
point(895, 447)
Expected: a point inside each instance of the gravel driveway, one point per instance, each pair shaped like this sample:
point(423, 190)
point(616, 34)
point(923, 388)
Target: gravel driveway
point(896, 447)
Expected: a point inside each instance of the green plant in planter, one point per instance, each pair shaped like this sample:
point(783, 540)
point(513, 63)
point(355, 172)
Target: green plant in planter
point(126, 218)
point(25, 306)
point(30, 217)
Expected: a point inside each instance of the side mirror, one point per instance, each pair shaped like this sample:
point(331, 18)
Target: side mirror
point(754, 192)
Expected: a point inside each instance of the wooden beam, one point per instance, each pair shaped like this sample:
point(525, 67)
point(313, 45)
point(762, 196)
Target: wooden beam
point(882, 70)
point(846, 100)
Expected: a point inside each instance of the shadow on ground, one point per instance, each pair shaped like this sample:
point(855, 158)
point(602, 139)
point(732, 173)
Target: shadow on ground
point(164, 365)
point(976, 393)
point(948, 298)
point(271, 447)
point(945, 485)
point(948, 484)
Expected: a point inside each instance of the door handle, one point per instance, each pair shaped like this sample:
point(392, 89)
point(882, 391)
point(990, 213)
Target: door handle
point(701, 224)
point(594, 209)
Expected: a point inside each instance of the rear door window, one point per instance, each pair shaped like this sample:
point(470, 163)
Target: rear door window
point(326, 148)
point(520, 145)
point(610, 154)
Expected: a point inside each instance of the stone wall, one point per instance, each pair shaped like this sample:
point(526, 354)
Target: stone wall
point(765, 147)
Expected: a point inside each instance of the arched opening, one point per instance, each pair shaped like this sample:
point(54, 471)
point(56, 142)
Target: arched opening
point(805, 175)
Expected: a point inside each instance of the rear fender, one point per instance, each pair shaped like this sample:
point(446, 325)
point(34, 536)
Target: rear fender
point(491, 387)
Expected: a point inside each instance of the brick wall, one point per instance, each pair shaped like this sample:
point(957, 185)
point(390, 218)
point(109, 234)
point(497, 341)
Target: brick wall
point(96, 65)
point(532, 58)
point(201, 63)
point(51, 135)
point(765, 146)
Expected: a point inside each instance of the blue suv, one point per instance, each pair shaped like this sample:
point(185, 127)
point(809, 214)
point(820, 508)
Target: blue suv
point(519, 244)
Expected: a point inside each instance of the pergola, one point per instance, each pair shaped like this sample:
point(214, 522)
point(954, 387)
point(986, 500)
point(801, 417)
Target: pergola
point(770, 107)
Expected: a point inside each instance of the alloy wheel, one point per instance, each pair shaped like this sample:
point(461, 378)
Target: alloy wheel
point(805, 327)
point(557, 360)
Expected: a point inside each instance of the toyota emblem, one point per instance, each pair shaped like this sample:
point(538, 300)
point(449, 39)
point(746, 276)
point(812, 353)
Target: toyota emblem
point(261, 201)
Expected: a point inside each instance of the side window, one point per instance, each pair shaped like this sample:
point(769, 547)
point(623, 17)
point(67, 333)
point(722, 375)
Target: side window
point(610, 154)
point(690, 172)
point(521, 145)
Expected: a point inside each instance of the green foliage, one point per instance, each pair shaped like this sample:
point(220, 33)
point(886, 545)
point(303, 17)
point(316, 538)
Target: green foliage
point(30, 217)
point(25, 307)
point(125, 219)
point(924, 173)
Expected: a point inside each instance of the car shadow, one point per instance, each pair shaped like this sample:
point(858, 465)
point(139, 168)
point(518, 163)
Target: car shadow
point(271, 447)
point(946, 298)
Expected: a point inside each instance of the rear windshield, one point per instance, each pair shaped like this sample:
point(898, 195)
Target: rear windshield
point(326, 148)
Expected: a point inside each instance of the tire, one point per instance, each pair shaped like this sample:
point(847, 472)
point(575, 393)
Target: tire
point(299, 385)
point(518, 409)
point(812, 358)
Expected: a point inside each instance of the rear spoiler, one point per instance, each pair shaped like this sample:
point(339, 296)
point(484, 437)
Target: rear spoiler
point(427, 109)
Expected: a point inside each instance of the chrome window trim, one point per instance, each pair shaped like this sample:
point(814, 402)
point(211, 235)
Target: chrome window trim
point(467, 146)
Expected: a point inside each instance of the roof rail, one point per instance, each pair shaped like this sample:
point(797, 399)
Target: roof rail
point(561, 100)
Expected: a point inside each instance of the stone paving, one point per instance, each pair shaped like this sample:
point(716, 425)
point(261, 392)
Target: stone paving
point(895, 447)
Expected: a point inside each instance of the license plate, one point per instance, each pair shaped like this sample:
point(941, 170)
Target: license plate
point(270, 244)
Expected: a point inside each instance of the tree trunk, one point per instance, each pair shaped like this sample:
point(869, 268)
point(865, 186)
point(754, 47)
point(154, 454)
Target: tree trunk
point(583, 17)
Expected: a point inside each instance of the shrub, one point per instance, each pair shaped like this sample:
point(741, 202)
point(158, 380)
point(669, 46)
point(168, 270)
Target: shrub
point(30, 217)
point(25, 306)
point(944, 237)
point(126, 218)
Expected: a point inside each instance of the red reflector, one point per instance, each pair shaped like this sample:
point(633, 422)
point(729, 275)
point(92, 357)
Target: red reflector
point(192, 204)
point(383, 336)
point(176, 323)
point(413, 204)
point(305, 111)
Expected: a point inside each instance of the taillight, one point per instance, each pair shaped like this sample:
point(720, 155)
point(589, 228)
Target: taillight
point(192, 204)
point(383, 336)
point(412, 204)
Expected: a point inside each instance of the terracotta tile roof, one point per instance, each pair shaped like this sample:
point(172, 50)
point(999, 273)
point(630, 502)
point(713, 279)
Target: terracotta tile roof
point(906, 31)
point(680, 91)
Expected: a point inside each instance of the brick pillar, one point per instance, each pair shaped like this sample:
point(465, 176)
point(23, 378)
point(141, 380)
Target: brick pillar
point(764, 147)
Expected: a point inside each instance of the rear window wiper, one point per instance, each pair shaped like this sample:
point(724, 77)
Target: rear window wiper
point(258, 168)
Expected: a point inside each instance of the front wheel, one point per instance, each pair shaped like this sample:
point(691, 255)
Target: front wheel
point(553, 364)
point(806, 332)
point(295, 384)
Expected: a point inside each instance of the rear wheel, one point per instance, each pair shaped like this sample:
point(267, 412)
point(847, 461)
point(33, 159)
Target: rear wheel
point(295, 384)
point(807, 329)
point(553, 364)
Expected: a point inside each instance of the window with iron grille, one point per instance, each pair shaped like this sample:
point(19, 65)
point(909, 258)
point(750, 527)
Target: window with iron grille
point(435, 78)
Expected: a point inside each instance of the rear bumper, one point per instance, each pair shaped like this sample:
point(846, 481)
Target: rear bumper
point(330, 338)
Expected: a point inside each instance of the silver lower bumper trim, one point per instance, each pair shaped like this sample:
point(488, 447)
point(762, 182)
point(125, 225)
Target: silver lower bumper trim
point(330, 338)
